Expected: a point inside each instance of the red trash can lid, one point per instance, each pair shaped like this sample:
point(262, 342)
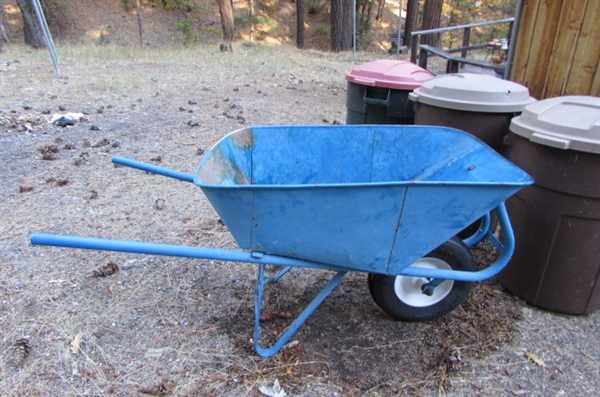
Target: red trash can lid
point(389, 73)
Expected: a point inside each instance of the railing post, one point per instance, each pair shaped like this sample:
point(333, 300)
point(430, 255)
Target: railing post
point(465, 43)
point(414, 44)
point(423, 58)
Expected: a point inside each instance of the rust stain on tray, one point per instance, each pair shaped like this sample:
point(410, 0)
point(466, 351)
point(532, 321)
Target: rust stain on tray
point(243, 139)
point(218, 168)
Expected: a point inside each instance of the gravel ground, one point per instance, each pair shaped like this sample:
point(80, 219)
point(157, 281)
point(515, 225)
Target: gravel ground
point(81, 322)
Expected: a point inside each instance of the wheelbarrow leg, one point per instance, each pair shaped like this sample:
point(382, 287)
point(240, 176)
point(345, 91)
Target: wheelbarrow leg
point(281, 273)
point(261, 280)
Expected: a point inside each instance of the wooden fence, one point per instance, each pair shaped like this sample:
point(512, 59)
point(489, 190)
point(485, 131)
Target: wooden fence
point(558, 48)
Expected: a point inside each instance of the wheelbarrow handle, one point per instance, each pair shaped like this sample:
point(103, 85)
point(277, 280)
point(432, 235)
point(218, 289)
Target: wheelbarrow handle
point(155, 169)
point(184, 251)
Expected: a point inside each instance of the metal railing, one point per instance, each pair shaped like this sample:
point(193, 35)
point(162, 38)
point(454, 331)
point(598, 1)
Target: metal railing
point(453, 61)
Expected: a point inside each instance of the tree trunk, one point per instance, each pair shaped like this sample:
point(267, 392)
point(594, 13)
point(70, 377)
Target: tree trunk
point(31, 26)
point(432, 16)
point(226, 11)
point(341, 25)
point(380, 8)
point(410, 23)
point(4, 36)
point(138, 7)
point(364, 18)
point(348, 25)
point(337, 20)
point(300, 23)
point(251, 18)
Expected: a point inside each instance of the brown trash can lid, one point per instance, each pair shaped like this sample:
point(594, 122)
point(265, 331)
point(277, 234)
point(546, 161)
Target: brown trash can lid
point(568, 122)
point(388, 73)
point(473, 92)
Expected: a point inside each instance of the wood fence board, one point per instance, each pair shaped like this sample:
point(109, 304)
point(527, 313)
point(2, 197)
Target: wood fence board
point(587, 54)
point(525, 33)
point(563, 52)
point(595, 89)
point(543, 41)
point(557, 50)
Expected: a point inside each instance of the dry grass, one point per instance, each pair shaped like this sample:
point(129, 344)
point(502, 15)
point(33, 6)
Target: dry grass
point(74, 325)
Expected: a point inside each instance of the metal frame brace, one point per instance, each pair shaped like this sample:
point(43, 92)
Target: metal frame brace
point(261, 280)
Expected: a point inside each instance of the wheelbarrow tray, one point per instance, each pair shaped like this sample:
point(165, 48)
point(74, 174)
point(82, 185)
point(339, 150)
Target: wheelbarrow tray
point(368, 198)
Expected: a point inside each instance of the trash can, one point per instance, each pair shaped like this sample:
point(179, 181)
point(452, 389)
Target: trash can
point(556, 264)
point(378, 92)
point(481, 105)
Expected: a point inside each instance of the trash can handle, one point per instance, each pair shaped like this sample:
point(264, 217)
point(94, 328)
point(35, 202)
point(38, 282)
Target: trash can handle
point(374, 101)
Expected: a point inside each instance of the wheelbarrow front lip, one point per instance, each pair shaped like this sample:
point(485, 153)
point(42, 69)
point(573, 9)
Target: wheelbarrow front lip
point(197, 182)
point(303, 157)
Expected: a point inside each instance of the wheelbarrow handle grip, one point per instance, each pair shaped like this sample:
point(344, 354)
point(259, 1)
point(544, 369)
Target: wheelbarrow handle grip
point(182, 176)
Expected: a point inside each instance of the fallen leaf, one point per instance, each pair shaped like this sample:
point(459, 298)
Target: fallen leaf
point(57, 281)
point(267, 317)
point(290, 345)
point(24, 345)
point(24, 189)
point(535, 359)
point(76, 343)
point(151, 352)
point(106, 270)
point(275, 391)
point(163, 388)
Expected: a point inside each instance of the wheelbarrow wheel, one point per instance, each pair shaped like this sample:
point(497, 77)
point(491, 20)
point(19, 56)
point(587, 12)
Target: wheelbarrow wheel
point(402, 297)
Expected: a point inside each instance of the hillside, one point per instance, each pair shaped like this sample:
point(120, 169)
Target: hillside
point(115, 22)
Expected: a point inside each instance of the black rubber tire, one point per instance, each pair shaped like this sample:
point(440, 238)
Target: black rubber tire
point(455, 255)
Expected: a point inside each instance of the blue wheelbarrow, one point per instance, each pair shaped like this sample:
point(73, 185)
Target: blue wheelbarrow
point(383, 200)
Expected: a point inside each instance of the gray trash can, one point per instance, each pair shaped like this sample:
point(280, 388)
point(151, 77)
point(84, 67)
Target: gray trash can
point(481, 105)
point(556, 264)
point(378, 92)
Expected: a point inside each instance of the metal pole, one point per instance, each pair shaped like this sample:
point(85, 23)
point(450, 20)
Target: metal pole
point(399, 29)
point(46, 32)
point(354, 30)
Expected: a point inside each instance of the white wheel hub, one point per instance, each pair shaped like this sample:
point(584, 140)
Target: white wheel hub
point(408, 289)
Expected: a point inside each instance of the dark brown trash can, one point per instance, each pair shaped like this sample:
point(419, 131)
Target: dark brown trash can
point(378, 92)
point(479, 104)
point(556, 264)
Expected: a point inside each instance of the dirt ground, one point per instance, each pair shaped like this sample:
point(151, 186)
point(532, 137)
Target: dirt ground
point(73, 324)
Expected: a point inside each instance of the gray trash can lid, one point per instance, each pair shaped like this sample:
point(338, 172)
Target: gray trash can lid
point(473, 92)
point(389, 73)
point(569, 122)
